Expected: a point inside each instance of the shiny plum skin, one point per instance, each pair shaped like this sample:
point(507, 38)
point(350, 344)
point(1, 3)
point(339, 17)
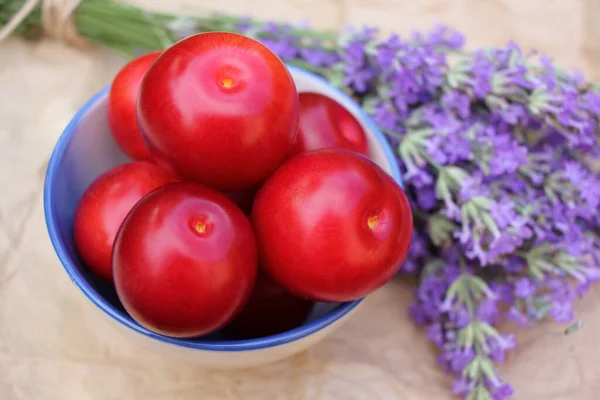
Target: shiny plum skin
point(331, 225)
point(105, 204)
point(219, 109)
point(324, 123)
point(122, 107)
point(185, 260)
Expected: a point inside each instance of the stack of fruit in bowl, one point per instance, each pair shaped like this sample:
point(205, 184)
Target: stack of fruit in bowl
point(244, 200)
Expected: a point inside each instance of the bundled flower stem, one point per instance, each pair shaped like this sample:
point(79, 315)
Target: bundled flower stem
point(491, 144)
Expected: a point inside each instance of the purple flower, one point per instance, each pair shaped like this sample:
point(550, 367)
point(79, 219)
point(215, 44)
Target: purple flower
point(429, 296)
point(590, 193)
point(283, 47)
point(386, 116)
point(504, 292)
point(434, 149)
point(503, 213)
point(488, 311)
point(508, 155)
point(591, 102)
point(513, 113)
point(404, 89)
point(388, 51)
point(471, 187)
point(499, 345)
point(418, 177)
point(561, 311)
point(517, 316)
point(459, 317)
point(524, 289)
point(455, 360)
point(519, 132)
point(358, 72)
point(457, 102)
point(457, 147)
point(462, 386)
point(575, 173)
point(502, 392)
point(482, 73)
point(432, 287)
point(451, 272)
point(244, 24)
point(435, 334)
point(426, 197)
point(418, 249)
point(318, 57)
point(510, 239)
point(418, 313)
point(513, 264)
point(562, 292)
point(358, 77)
point(354, 53)
point(496, 352)
point(444, 36)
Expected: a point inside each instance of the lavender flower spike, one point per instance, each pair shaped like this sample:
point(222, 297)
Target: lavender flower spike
point(491, 145)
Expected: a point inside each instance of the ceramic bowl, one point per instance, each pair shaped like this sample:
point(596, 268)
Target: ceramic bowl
point(86, 149)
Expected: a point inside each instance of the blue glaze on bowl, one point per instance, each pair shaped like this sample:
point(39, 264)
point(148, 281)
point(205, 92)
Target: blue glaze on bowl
point(85, 150)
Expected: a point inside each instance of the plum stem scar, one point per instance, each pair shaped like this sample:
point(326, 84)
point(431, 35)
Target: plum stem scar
point(200, 227)
point(227, 82)
point(372, 222)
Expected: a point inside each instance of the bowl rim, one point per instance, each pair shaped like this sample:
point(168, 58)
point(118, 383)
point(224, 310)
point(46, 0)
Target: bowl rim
point(197, 344)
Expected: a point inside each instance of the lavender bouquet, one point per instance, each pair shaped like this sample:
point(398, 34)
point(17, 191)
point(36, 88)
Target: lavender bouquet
point(492, 144)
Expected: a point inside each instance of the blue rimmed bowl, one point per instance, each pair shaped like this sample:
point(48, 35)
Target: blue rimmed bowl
point(86, 149)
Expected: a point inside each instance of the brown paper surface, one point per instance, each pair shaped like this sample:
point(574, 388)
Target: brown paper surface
point(55, 346)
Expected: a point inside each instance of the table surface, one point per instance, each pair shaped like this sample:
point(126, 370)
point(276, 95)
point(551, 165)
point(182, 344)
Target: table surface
point(54, 346)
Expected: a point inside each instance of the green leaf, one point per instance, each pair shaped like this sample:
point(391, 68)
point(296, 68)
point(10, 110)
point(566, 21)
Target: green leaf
point(543, 265)
point(497, 83)
point(489, 223)
point(512, 60)
point(408, 151)
point(486, 366)
point(471, 371)
point(465, 217)
point(535, 273)
point(469, 213)
point(541, 249)
point(369, 104)
point(549, 192)
point(457, 174)
point(453, 290)
point(466, 336)
point(481, 202)
point(414, 120)
point(538, 100)
point(488, 330)
point(418, 136)
point(442, 191)
point(451, 80)
point(566, 259)
point(494, 101)
point(440, 228)
point(482, 393)
point(456, 76)
point(480, 337)
point(336, 77)
point(466, 299)
point(478, 286)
